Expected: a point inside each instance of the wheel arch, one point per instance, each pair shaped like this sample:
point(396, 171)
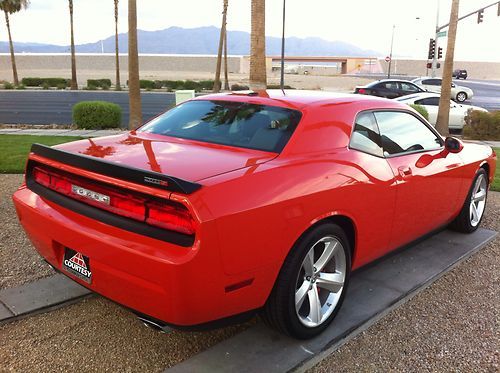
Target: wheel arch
point(343, 221)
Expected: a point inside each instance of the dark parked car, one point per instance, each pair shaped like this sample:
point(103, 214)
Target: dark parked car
point(389, 88)
point(460, 74)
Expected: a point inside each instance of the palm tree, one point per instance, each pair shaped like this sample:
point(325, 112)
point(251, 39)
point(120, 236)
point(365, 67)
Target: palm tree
point(74, 83)
point(134, 93)
point(10, 7)
point(258, 79)
point(217, 83)
point(117, 57)
point(226, 78)
point(442, 123)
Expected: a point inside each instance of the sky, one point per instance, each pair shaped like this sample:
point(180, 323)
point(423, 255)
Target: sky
point(365, 23)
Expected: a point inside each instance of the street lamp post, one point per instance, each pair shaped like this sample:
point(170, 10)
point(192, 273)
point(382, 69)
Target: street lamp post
point(282, 78)
point(390, 54)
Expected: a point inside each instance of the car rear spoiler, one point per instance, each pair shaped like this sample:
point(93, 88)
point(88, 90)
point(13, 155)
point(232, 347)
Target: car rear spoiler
point(119, 171)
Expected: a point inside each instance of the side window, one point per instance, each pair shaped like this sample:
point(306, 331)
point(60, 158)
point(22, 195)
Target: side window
point(365, 136)
point(431, 101)
point(401, 132)
point(409, 87)
point(391, 85)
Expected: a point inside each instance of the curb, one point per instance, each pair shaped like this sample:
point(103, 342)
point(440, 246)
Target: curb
point(40, 296)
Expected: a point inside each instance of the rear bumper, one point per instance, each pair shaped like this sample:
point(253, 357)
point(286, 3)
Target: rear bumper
point(181, 286)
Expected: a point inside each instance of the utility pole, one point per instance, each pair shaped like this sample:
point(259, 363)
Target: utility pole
point(436, 38)
point(444, 101)
point(282, 80)
point(390, 54)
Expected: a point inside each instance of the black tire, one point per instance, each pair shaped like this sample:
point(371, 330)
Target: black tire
point(462, 222)
point(279, 311)
point(461, 97)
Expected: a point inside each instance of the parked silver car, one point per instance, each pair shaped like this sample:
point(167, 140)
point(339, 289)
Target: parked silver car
point(458, 93)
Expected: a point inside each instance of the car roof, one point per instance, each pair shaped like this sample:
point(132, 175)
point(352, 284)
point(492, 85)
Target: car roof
point(294, 99)
point(417, 96)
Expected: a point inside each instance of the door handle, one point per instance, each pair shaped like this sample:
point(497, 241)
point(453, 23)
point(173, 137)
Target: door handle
point(404, 171)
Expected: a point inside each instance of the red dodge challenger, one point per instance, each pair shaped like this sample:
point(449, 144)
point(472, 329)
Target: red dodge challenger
point(228, 204)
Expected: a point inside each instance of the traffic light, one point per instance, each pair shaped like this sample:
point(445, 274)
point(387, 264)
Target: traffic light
point(440, 53)
point(498, 10)
point(432, 49)
point(480, 15)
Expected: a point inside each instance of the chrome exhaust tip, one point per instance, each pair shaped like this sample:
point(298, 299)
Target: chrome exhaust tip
point(155, 326)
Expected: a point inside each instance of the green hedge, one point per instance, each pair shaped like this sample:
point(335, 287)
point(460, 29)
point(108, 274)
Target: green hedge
point(102, 83)
point(97, 115)
point(482, 125)
point(51, 82)
point(172, 85)
point(420, 109)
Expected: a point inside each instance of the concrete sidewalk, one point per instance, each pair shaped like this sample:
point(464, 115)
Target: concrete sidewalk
point(59, 132)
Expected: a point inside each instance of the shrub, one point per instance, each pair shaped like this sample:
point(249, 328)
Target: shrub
point(8, 86)
point(61, 86)
point(239, 87)
point(45, 85)
point(21, 86)
point(481, 125)
point(90, 88)
point(146, 84)
point(97, 115)
point(421, 110)
point(207, 84)
point(277, 86)
point(99, 83)
point(51, 82)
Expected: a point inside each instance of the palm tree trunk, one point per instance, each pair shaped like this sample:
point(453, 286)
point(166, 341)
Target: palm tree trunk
point(134, 94)
point(11, 46)
point(217, 83)
point(74, 83)
point(258, 78)
point(443, 118)
point(226, 78)
point(117, 55)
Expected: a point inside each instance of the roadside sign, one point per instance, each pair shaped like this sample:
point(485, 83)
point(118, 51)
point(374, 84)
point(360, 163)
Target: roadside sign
point(441, 34)
point(388, 59)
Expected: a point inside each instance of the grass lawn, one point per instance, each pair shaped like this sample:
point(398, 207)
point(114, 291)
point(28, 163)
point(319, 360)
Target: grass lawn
point(496, 183)
point(14, 150)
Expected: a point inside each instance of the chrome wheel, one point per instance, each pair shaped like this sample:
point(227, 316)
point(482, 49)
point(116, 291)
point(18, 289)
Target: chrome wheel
point(461, 96)
point(478, 200)
point(320, 281)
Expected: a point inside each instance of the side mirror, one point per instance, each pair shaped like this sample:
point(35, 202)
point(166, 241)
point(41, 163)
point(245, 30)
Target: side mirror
point(453, 85)
point(453, 145)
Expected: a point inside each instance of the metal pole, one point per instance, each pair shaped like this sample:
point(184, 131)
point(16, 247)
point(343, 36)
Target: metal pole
point(282, 80)
point(390, 54)
point(434, 60)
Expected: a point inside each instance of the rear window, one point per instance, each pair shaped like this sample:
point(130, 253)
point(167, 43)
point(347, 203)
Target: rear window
point(239, 124)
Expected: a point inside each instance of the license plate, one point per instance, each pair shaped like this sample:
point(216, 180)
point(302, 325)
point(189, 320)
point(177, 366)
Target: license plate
point(77, 264)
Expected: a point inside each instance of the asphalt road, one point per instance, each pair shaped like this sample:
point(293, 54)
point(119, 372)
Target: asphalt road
point(54, 107)
point(486, 93)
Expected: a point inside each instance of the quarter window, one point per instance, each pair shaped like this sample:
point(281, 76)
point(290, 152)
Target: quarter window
point(366, 136)
point(401, 132)
point(431, 101)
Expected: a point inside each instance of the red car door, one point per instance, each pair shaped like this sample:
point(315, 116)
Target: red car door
point(427, 177)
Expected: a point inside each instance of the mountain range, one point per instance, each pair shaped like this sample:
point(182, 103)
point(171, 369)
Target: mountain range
point(200, 40)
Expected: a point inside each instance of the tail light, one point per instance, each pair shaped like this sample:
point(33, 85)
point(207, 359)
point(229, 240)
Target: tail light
point(362, 91)
point(165, 214)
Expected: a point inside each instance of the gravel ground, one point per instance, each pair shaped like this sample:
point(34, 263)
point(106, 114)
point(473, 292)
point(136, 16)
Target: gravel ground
point(97, 335)
point(19, 262)
point(454, 325)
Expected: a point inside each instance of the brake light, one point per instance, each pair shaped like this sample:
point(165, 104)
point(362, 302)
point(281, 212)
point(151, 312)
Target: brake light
point(170, 217)
point(163, 215)
point(362, 91)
